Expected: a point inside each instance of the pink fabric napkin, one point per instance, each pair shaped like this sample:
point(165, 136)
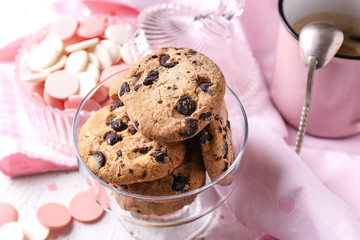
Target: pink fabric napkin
point(280, 195)
point(314, 196)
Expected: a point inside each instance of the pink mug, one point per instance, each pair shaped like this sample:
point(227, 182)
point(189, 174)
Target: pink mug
point(335, 103)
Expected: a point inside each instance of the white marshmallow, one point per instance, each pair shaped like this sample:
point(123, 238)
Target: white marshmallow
point(82, 45)
point(33, 229)
point(61, 84)
point(57, 65)
point(12, 230)
point(35, 77)
point(103, 55)
point(55, 42)
point(93, 59)
point(126, 54)
point(45, 54)
point(87, 82)
point(41, 58)
point(93, 70)
point(77, 62)
point(113, 49)
point(118, 33)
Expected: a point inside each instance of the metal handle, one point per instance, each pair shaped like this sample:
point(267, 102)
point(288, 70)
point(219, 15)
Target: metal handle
point(312, 61)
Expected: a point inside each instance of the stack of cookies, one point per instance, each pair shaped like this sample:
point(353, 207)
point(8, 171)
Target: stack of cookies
point(167, 127)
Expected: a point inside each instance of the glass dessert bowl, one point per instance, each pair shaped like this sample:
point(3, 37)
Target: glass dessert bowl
point(45, 53)
point(182, 215)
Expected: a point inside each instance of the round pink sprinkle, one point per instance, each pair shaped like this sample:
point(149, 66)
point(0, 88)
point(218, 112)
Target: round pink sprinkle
point(7, 213)
point(64, 27)
point(52, 187)
point(91, 27)
point(54, 102)
point(286, 205)
point(53, 215)
point(84, 208)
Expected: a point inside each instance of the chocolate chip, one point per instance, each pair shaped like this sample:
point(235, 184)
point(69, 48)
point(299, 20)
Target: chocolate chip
point(191, 128)
point(218, 118)
point(205, 116)
point(112, 138)
point(226, 150)
point(205, 86)
point(179, 184)
point(192, 52)
point(131, 171)
point(123, 186)
point(186, 106)
point(119, 153)
point(151, 78)
point(160, 102)
point(228, 124)
point(205, 136)
point(116, 105)
point(226, 167)
point(137, 124)
point(118, 125)
point(136, 87)
point(144, 174)
point(124, 88)
point(142, 150)
point(164, 63)
point(154, 56)
point(138, 211)
point(99, 158)
point(174, 87)
point(133, 130)
point(220, 129)
point(159, 156)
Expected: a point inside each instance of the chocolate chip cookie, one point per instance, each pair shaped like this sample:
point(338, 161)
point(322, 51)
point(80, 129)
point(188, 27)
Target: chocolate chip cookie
point(189, 176)
point(216, 146)
point(116, 152)
point(172, 94)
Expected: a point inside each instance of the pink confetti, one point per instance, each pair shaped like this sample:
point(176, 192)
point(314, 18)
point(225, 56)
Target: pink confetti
point(286, 205)
point(222, 216)
point(52, 187)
